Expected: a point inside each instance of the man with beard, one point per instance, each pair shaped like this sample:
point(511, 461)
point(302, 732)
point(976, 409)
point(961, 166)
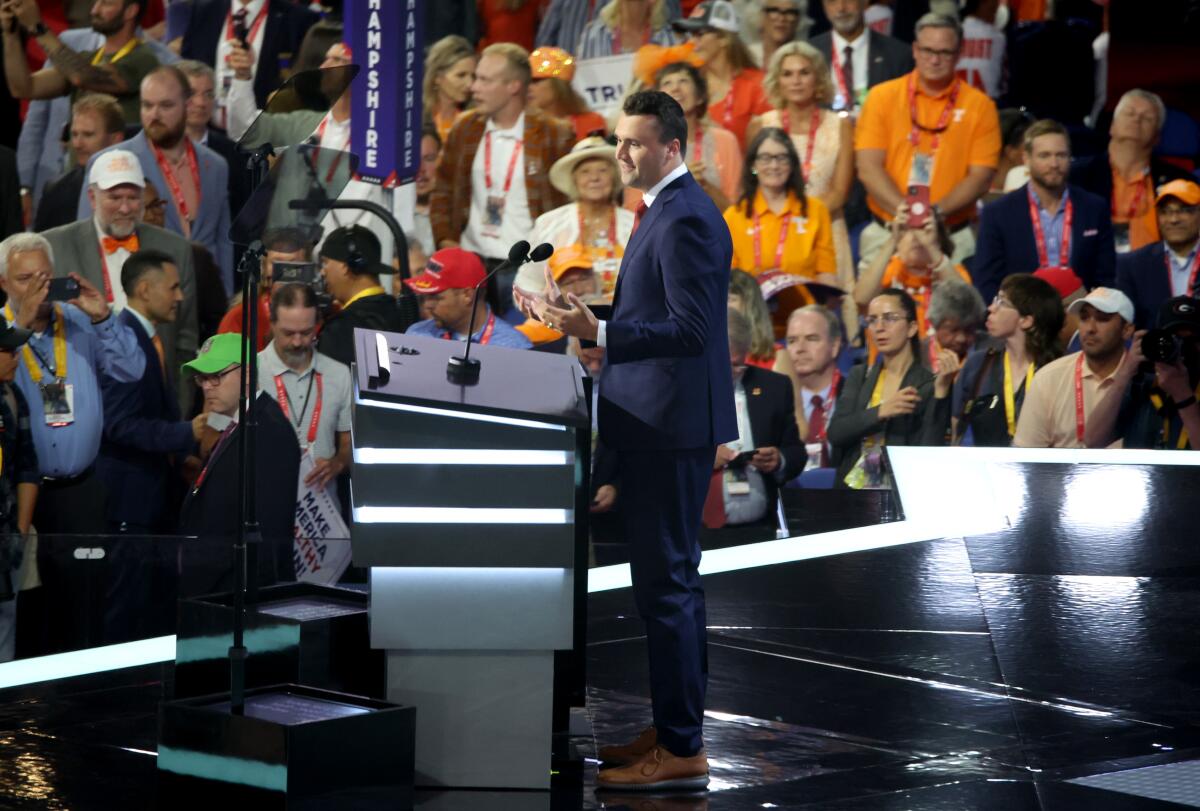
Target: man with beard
point(1047, 224)
point(97, 247)
point(312, 390)
point(448, 287)
point(117, 68)
point(1140, 273)
point(194, 178)
point(1060, 398)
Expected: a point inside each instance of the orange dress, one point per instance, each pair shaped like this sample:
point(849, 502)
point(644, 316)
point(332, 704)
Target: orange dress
point(745, 99)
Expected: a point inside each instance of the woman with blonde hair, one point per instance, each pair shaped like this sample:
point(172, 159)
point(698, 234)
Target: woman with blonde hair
point(623, 26)
point(449, 72)
point(799, 86)
point(734, 79)
point(746, 297)
point(550, 91)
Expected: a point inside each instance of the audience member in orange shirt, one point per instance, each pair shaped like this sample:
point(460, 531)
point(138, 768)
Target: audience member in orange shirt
point(510, 21)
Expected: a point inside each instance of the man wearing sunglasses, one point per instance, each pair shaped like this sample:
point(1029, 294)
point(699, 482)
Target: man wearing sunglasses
point(779, 24)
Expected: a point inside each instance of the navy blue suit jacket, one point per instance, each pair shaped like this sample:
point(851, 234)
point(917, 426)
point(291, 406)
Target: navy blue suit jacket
point(1142, 275)
point(142, 428)
point(1006, 245)
point(666, 382)
point(283, 31)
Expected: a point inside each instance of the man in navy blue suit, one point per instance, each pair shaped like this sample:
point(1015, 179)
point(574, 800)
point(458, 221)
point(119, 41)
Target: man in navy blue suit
point(1156, 273)
point(142, 430)
point(1047, 223)
point(666, 402)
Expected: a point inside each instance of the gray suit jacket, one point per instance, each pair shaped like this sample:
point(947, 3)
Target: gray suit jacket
point(76, 250)
point(211, 225)
point(887, 57)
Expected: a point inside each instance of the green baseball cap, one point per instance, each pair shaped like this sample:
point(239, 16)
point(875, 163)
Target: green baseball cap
point(218, 353)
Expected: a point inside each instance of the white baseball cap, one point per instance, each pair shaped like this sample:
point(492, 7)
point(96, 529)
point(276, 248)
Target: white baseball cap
point(116, 167)
point(1106, 300)
point(718, 14)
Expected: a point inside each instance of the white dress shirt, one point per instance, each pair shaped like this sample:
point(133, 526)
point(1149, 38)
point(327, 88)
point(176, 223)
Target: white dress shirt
point(860, 48)
point(516, 223)
point(1181, 269)
point(743, 508)
point(648, 198)
point(224, 74)
point(113, 262)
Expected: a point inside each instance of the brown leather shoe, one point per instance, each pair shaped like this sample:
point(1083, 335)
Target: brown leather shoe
point(657, 770)
point(627, 753)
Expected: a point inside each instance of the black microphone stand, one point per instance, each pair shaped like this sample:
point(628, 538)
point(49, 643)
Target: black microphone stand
point(461, 369)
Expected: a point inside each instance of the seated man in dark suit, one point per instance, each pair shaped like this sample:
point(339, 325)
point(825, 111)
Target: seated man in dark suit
point(96, 123)
point(1073, 227)
point(273, 30)
point(744, 490)
point(1170, 267)
point(142, 433)
point(210, 507)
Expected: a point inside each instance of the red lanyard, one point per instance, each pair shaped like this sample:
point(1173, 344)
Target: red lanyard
point(285, 404)
point(1195, 271)
point(1138, 194)
point(612, 232)
point(254, 26)
point(487, 163)
point(487, 331)
point(320, 136)
point(1078, 397)
point(1039, 236)
point(943, 121)
point(783, 231)
point(814, 122)
point(173, 182)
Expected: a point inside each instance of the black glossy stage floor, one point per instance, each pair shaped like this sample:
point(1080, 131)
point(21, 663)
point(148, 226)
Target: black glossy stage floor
point(1051, 662)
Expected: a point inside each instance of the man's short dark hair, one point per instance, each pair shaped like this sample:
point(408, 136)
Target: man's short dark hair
point(1045, 126)
point(178, 75)
point(672, 125)
point(292, 295)
point(286, 240)
point(139, 264)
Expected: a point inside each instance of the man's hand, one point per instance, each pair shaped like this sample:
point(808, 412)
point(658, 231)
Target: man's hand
point(533, 305)
point(725, 455)
point(946, 369)
point(35, 297)
point(90, 300)
point(8, 18)
point(577, 321)
point(605, 498)
point(927, 236)
point(904, 401)
point(199, 423)
point(766, 460)
point(1172, 378)
point(324, 471)
point(241, 60)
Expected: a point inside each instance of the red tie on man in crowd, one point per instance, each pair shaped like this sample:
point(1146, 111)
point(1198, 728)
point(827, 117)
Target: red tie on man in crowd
point(817, 427)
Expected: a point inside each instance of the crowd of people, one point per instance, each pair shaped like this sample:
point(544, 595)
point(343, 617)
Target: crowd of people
point(911, 263)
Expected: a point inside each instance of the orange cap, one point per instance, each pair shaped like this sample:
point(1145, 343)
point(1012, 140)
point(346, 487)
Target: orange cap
point(1185, 191)
point(570, 257)
point(552, 63)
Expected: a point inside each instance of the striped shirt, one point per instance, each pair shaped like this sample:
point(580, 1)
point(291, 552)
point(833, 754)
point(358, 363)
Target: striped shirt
point(597, 40)
point(565, 20)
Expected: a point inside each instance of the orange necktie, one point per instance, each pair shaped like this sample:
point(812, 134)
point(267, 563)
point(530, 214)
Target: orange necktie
point(112, 244)
point(162, 355)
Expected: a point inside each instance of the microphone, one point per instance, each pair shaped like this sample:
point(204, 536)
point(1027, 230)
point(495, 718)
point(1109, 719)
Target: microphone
point(461, 369)
point(541, 253)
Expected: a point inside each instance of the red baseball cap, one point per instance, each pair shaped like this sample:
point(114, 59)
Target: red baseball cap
point(448, 269)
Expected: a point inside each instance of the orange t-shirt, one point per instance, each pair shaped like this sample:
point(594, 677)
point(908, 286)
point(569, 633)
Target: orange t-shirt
point(971, 137)
point(232, 322)
point(1133, 204)
point(504, 25)
point(745, 99)
point(587, 123)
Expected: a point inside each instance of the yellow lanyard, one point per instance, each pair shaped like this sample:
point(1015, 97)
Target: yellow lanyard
point(60, 347)
point(125, 49)
point(1182, 442)
point(370, 291)
point(1010, 409)
point(877, 393)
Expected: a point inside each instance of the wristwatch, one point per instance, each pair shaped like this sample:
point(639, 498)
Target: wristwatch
point(1190, 400)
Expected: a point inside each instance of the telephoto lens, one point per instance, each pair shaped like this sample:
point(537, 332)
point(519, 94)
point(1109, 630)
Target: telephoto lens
point(1161, 346)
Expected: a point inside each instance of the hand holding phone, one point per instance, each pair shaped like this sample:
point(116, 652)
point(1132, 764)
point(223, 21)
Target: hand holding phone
point(63, 289)
point(919, 207)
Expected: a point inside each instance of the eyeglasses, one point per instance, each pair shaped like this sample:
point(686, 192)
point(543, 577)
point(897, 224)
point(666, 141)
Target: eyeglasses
point(766, 160)
point(790, 13)
point(212, 381)
point(886, 318)
point(1000, 302)
point(156, 205)
point(932, 53)
point(1177, 211)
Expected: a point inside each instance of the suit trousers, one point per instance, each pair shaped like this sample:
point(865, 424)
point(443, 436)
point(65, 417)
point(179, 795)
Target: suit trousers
point(662, 497)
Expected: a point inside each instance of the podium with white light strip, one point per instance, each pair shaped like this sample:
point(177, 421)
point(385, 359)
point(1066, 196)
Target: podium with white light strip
point(465, 503)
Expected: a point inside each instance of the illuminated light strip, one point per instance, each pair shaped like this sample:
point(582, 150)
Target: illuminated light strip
point(462, 415)
point(271, 639)
point(86, 662)
point(461, 515)
point(460, 456)
point(269, 776)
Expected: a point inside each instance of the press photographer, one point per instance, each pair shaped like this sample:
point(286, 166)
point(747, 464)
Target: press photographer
point(1153, 404)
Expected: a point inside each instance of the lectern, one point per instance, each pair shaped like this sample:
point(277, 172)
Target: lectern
point(467, 503)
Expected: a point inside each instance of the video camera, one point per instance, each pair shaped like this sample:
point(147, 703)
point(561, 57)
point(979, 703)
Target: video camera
point(305, 273)
point(1177, 334)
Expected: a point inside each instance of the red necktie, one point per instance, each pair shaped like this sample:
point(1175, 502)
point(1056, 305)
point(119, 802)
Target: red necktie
point(638, 213)
point(816, 426)
point(713, 516)
point(112, 244)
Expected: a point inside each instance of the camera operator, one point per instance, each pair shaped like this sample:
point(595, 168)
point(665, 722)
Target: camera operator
point(1153, 404)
